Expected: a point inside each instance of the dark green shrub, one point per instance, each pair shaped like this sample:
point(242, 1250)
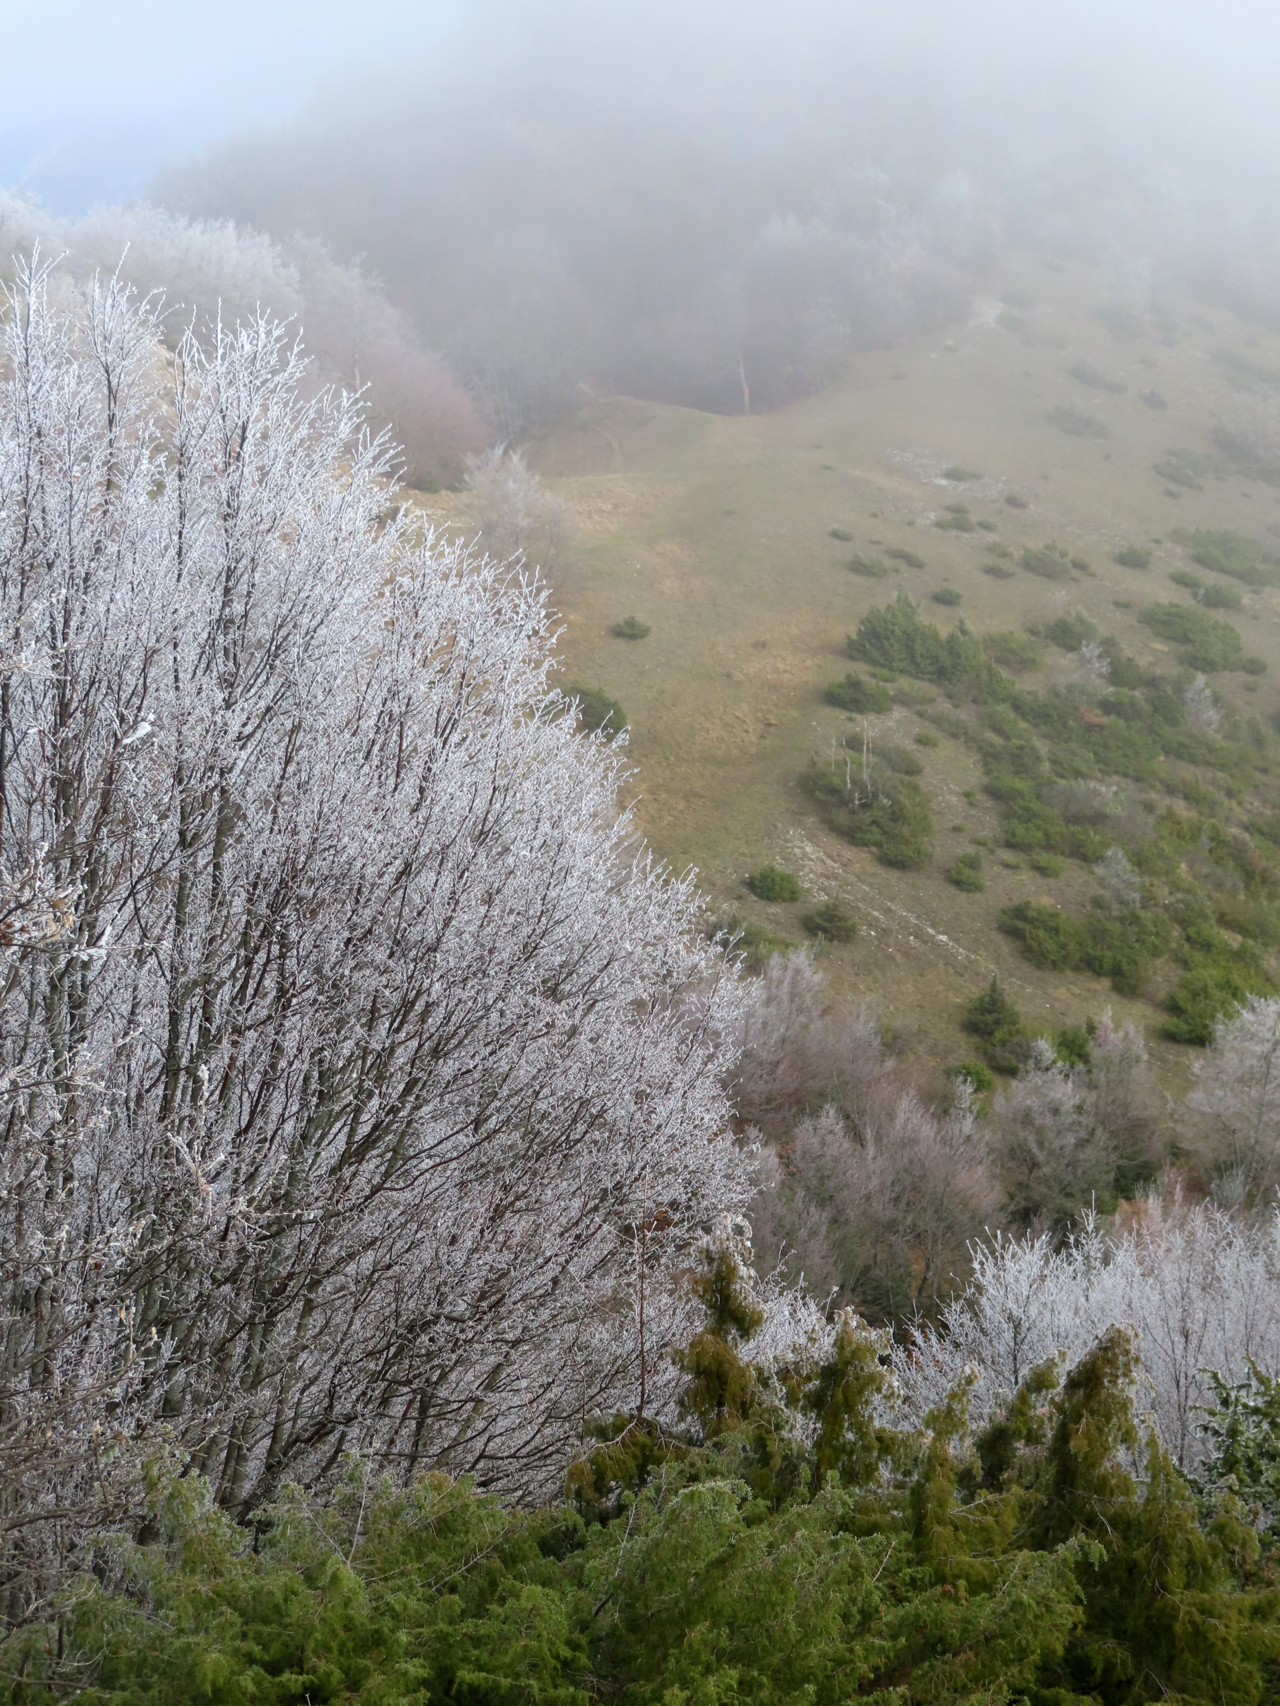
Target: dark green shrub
point(1201, 998)
point(946, 595)
point(960, 521)
point(870, 568)
point(988, 527)
point(1210, 644)
point(1117, 943)
point(1015, 502)
point(1012, 651)
point(959, 474)
point(855, 693)
point(1071, 632)
point(926, 737)
point(1134, 557)
point(1253, 665)
point(1184, 578)
point(1050, 562)
point(966, 873)
point(1076, 423)
point(756, 945)
point(772, 883)
point(998, 571)
point(894, 637)
point(833, 922)
point(900, 760)
point(596, 710)
point(1183, 468)
point(631, 628)
point(1073, 1044)
point(975, 1074)
point(773, 1543)
point(1047, 864)
point(1087, 374)
point(1153, 399)
point(993, 1017)
point(1048, 938)
point(1233, 554)
point(1218, 597)
point(900, 555)
point(842, 534)
point(895, 823)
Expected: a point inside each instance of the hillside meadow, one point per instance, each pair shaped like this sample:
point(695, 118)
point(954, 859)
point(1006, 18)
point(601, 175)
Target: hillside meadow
point(1060, 422)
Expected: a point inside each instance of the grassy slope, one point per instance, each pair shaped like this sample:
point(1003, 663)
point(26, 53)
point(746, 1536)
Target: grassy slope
point(716, 531)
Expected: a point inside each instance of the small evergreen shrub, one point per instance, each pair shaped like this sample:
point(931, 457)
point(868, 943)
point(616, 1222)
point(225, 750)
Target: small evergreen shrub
point(893, 636)
point(998, 571)
point(956, 520)
point(1046, 864)
point(831, 921)
point(1210, 644)
point(1073, 1044)
point(909, 558)
point(842, 534)
point(1118, 942)
point(1085, 373)
point(959, 474)
point(1016, 502)
point(772, 883)
point(926, 737)
point(946, 595)
point(753, 942)
point(631, 628)
point(966, 873)
point(869, 568)
point(855, 693)
point(1134, 557)
point(1014, 652)
point(1050, 562)
point(596, 710)
point(895, 822)
point(1232, 554)
point(993, 1017)
point(1071, 632)
point(978, 1077)
point(1218, 597)
point(901, 760)
point(1184, 468)
point(1076, 424)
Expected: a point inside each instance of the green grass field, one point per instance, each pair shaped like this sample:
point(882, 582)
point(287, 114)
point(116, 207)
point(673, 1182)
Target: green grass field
point(718, 532)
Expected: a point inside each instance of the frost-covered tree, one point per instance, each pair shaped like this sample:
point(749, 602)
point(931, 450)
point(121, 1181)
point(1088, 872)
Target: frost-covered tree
point(355, 335)
point(514, 512)
point(358, 1077)
point(1232, 1116)
point(1199, 1290)
point(882, 1206)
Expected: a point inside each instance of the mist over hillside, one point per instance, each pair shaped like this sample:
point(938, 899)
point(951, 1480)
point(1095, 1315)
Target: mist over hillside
point(684, 204)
